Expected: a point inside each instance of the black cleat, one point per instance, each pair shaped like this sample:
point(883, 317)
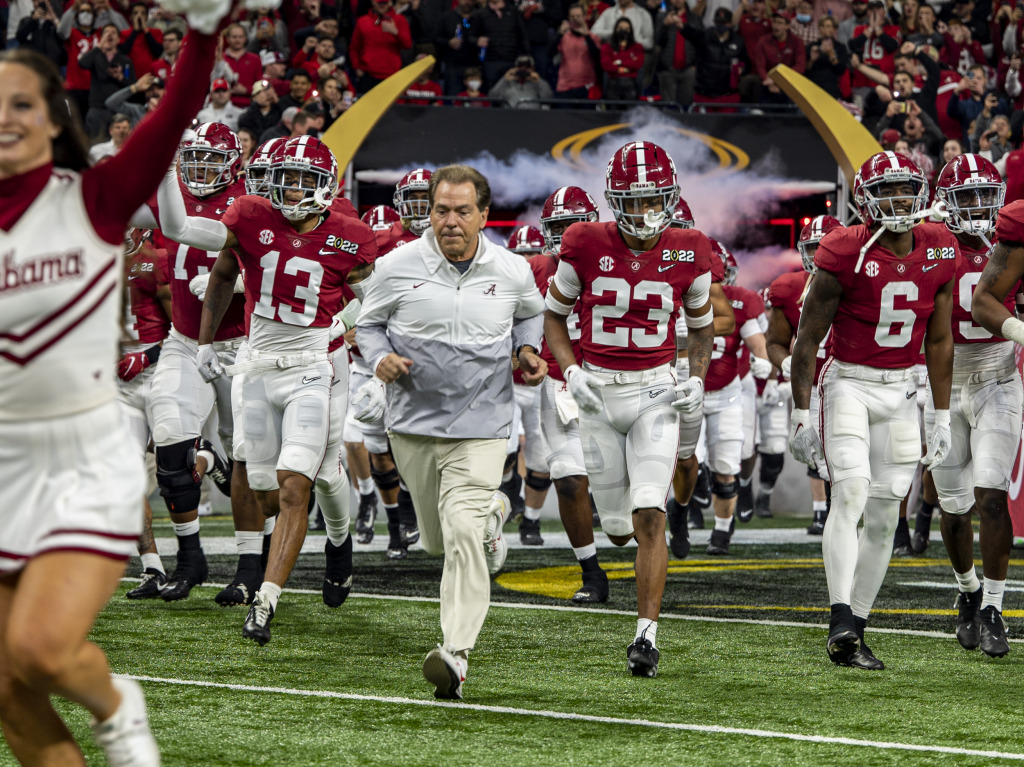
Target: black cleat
point(864, 658)
point(762, 506)
point(396, 552)
point(993, 633)
point(190, 571)
point(408, 529)
point(153, 581)
point(744, 513)
point(843, 640)
point(366, 517)
point(719, 543)
point(695, 516)
point(257, 622)
point(220, 472)
point(922, 530)
point(968, 620)
point(817, 527)
point(529, 532)
point(409, 534)
point(901, 541)
point(642, 658)
point(594, 589)
point(338, 573)
point(678, 535)
point(244, 586)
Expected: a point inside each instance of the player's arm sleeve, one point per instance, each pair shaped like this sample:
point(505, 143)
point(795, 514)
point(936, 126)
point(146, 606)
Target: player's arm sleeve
point(698, 296)
point(202, 233)
point(750, 328)
point(372, 323)
point(567, 282)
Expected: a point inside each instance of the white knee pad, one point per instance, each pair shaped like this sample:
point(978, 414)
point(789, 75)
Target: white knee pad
point(302, 450)
point(850, 495)
point(904, 451)
point(262, 478)
point(647, 497)
point(618, 526)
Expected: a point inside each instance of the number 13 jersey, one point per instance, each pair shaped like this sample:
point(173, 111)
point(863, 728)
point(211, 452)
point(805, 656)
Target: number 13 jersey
point(884, 309)
point(629, 301)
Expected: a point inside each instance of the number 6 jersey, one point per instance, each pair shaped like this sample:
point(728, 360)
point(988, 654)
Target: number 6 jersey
point(883, 312)
point(629, 301)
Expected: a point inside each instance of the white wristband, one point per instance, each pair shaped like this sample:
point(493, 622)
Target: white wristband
point(1013, 330)
point(942, 418)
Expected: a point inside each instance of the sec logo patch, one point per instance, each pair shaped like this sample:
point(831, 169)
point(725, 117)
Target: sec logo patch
point(266, 237)
point(871, 269)
point(606, 263)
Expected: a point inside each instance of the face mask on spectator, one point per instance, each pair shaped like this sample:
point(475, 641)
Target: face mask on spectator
point(85, 18)
point(722, 28)
point(803, 18)
point(473, 85)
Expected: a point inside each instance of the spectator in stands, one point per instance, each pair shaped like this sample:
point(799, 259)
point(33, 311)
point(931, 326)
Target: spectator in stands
point(677, 34)
point(337, 95)
point(377, 43)
point(992, 136)
point(540, 17)
point(961, 51)
point(109, 71)
point(926, 33)
point(875, 44)
point(281, 128)
point(522, 86)
point(621, 61)
point(951, 148)
point(119, 130)
point(828, 59)
point(39, 32)
point(219, 108)
point(317, 57)
point(908, 18)
point(276, 71)
point(308, 121)
point(579, 55)
point(473, 80)
point(639, 19)
point(752, 22)
point(248, 141)
point(264, 112)
point(77, 27)
point(299, 85)
point(313, 24)
point(859, 9)
point(974, 18)
point(142, 44)
point(500, 35)
point(974, 98)
point(803, 25)
point(454, 49)
point(592, 10)
point(423, 91)
point(163, 66)
point(781, 47)
point(720, 59)
point(151, 86)
point(918, 65)
point(920, 130)
point(245, 65)
point(266, 32)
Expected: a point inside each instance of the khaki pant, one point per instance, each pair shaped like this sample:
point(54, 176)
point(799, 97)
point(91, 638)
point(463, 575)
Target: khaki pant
point(452, 482)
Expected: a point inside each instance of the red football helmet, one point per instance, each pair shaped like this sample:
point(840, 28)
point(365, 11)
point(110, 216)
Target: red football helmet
point(877, 176)
point(210, 159)
point(526, 241)
point(134, 239)
point(641, 172)
point(811, 235)
point(682, 218)
point(973, 192)
point(566, 206)
point(257, 171)
point(307, 166)
point(728, 260)
point(411, 200)
point(380, 217)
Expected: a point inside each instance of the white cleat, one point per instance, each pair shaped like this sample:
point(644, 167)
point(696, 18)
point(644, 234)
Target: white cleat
point(495, 545)
point(125, 736)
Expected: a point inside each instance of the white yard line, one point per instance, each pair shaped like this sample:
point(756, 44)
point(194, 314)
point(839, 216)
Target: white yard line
point(565, 715)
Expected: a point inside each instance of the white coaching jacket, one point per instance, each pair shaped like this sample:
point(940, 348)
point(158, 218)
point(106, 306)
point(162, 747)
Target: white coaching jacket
point(458, 329)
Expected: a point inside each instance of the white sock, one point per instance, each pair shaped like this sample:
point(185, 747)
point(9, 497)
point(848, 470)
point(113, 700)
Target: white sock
point(269, 525)
point(272, 591)
point(993, 595)
point(365, 486)
point(647, 629)
point(531, 513)
point(819, 505)
point(185, 528)
point(585, 552)
point(152, 562)
point(723, 523)
point(208, 456)
point(249, 542)
point(968, 581)
point(746, 482)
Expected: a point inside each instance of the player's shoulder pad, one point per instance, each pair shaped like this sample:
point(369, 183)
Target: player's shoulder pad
point(1010, 223)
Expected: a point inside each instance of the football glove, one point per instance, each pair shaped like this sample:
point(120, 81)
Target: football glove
point(689, 395)
point(939, 442)
point(760, 367)
point(804, 442)
point(585, 389)
point(208, 363)
point(369, 401)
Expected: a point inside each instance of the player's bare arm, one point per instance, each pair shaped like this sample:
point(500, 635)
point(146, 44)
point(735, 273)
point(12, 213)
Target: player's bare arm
point(1004, 269)
point(360, 273)
point(778, 338)
point(700, 342)
point(938, 347)
point(816, 318)
point(219, 293)
point(163, 295)
point(725, 318)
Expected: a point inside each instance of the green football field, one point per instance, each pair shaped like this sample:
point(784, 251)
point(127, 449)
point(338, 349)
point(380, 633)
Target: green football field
point(743, 677)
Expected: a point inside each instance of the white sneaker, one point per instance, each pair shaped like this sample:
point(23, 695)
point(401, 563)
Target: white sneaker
point(125, 736)
point(446, 672)
point(495, 545)
point(205, 509)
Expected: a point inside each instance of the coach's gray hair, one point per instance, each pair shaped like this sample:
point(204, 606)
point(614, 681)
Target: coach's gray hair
point(461, 174)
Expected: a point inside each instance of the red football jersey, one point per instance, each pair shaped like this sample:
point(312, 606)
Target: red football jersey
point(344, 207)
point(186, 262)
point(1010, 223)
point(628, 301)
point(544, 267)
point(884, 310)
point(725, 356)
point(145, 321)
point(787, 294)
point(968, 275)
point(78, 44)
point(389, 239)
point(298, 277)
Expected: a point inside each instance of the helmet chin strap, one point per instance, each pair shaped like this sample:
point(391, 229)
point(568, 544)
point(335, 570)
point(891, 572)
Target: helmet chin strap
point(938, 210)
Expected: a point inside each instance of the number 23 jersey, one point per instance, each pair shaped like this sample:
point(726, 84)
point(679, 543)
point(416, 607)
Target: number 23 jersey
point(884, 310)
point(629, 302)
